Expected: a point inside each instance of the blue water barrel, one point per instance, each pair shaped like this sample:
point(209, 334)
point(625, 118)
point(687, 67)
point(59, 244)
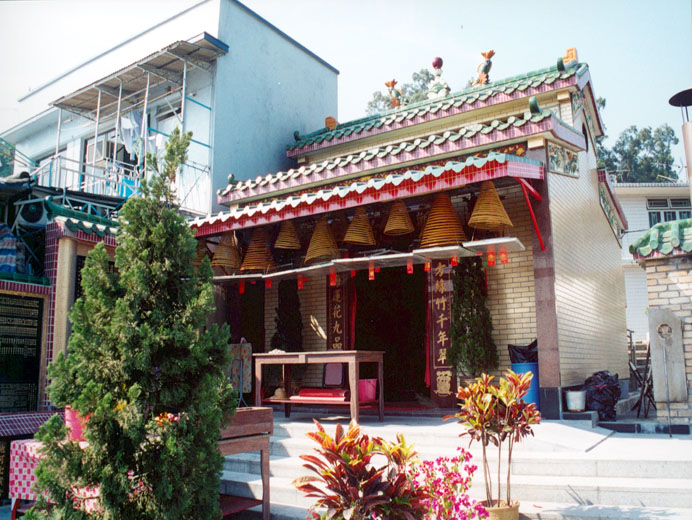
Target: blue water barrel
point(533, 393)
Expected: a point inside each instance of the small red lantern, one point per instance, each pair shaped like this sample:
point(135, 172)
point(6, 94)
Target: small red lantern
point(268, 283)
point(454, 261)
point(300, 282)
point(427, 267)
point(353, 273)
point(409, 266)
point(241, 287)
point(504, 258)
point(371, 271)
point(332, 278)
point(491, 258)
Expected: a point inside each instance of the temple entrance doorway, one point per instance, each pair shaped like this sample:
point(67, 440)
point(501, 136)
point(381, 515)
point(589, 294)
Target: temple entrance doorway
point(390, 316)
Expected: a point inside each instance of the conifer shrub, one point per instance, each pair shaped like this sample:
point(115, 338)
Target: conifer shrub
point(145, 368)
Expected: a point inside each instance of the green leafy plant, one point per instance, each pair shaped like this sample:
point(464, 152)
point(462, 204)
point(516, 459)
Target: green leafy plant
point(351, 486)
point(495, 414)
point(146, 368)
point(472, 349)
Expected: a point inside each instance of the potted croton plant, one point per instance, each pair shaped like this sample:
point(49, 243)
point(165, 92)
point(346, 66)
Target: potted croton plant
point(497, 415)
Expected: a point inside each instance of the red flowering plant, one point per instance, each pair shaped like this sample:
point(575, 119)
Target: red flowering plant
point(494, 414)
point(351, 484)
point(447, 481)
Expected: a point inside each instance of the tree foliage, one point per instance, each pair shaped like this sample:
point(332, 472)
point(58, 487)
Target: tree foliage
point(472, 349)
point(145, 370)
point(410, 93)
point(639, 154)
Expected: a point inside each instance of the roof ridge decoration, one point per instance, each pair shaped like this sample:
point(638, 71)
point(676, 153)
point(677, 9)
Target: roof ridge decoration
point(664, 239)
point(298, 178)
point(508, 86)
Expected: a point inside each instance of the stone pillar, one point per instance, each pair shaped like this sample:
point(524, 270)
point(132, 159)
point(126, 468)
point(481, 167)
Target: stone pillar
point(546, 313)
point(64, 292)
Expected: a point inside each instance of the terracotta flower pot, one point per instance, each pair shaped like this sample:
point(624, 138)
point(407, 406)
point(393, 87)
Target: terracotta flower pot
point(503, 512)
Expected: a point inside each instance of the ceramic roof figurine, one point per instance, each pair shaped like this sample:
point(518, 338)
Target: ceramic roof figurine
point(394, 93)
point(484, 68)
point(437, 88)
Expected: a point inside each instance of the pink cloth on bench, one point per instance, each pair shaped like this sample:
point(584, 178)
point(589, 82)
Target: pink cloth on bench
point(323, 393)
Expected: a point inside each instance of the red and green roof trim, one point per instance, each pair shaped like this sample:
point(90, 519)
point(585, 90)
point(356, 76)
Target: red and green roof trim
point(516, 87)
point(453, 174)
point(341, 169)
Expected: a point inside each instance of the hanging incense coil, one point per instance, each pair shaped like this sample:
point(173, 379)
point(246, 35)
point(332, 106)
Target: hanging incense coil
point(258, 256)
point(399, 221)
point(322, 244)
point(443, 226)
point(226, 257)
point(488, 212)
point(359, 231)
point(288, 236)
point(201, 253)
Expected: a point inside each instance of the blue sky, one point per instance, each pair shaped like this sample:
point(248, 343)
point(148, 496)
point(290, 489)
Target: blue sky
point(639, 51)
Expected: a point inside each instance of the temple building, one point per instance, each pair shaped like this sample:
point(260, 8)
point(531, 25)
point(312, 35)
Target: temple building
point(368, 226)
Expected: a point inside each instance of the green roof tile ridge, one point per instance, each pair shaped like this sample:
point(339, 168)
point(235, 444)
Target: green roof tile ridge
point(56, 209)
point(24, 278)
point(578, 68)
point(664, 237)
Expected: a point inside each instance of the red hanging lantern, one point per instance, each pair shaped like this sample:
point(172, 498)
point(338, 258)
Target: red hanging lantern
point(454, 261)
point(371, 271)
point(300, 282)
point(427, 267)
point(353, 273)
point(377, 269)
point(491, 258)
point(409, 266)
point(268, 284)
point(332, 278)
point(241, 287)
point(504, 257)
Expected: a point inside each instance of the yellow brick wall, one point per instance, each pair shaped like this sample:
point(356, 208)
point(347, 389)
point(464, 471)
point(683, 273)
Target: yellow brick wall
point(313, 310)
point(511, 295)
point(669, 282)
point(589, 282)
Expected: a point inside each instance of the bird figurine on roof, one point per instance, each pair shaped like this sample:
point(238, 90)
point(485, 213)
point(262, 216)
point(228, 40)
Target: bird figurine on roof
point(394, 94)
point(484, 68)
point(437, 88)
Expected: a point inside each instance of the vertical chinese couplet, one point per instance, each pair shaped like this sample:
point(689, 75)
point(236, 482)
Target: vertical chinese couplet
point(440, 291)
point(337, 313)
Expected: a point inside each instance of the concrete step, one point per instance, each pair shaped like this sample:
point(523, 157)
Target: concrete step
point(532, 511)
point(539, 464)
point(577, 490)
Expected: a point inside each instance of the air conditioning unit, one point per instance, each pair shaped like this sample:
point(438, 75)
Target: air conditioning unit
point(32, 214)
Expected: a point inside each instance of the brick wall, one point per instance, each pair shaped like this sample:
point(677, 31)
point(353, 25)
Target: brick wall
point(589, 282)
point(511, 295)
point(669, 282)
point(313, 310)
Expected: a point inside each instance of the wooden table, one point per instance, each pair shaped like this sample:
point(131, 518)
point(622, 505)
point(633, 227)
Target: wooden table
point(353, 358)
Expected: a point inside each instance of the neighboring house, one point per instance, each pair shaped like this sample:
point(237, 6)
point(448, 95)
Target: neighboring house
point(241, 86)
point(369, 280)
point(644, 205)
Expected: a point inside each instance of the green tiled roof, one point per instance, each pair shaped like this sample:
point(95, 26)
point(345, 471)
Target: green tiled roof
point(665, 238)
point(78, 221)
point(520, 83)
point(467, 131)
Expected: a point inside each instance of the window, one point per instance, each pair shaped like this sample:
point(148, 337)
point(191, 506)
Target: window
point(666, 210)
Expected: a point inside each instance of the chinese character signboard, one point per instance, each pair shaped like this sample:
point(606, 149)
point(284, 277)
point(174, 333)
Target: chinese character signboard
point(21, 321)
point(337, 310)
point(440, 291)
